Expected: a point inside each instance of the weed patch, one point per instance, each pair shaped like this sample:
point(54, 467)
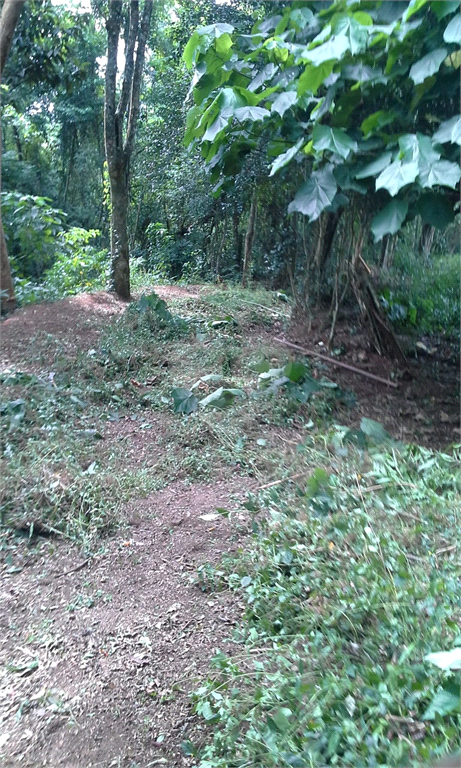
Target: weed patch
point(352, 579)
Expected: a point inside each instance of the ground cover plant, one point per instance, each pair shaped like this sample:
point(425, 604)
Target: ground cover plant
point(352, 578)
point(261, 469)
point(349, 575)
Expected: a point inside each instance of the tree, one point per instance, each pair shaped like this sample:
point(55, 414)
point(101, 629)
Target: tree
point(11, 11)
point(119, 119)
point(361, 96)
point(48, 61)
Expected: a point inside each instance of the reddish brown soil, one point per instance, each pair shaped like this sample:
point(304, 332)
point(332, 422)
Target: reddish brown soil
point(98, 654)
point(423, 407)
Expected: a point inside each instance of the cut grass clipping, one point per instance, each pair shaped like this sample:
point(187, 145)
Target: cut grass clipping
point(352, 579)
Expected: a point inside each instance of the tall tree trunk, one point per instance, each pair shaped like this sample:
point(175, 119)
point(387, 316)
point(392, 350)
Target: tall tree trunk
point(119, 118)
point(11, 10)
point(249, 238)
point(120, 251)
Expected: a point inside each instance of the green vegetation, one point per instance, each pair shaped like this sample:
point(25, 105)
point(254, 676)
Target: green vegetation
point(350, 580)
point(425, 294)
point(350, 577)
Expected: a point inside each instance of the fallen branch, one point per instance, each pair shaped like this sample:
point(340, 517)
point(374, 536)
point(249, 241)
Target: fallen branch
point(283, 480)
point(330, 360)
point(74, 570)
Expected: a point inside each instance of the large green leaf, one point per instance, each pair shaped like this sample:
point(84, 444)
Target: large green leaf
point(221, 398)
point(216, 30)
point(302, 17)
point(184, 401)
point(375, 167)
point(355, 33)
point(203, 37)
point(285, 157)
point(377, 120)
point(266, 73)
point(442, 173)
point(445, 702)
point(345, 176)
point(219, 125)
point(207, 84)
point(333, 139)
point(396, 176)
point(449, 130)
point(435, 210)
point(333, 49)
point(417, 147)
point(428, 65)
point(231, 98)
point(374, 430)
point(295, 371)
point(452, 33)
point(316, 194)
point(223, 43)
point(284, 101)
point(444, 9)
point(363, 73)
point(313, 77)
point(191, 50)
point(251, 113)
point(390, 219)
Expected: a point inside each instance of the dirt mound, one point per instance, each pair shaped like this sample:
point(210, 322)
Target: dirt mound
point(99, 653)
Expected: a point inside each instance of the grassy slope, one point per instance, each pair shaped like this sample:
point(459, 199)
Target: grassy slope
point(353, 573)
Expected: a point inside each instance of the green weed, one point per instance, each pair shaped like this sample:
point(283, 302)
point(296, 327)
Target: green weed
point(424, 293)
point(350, 582)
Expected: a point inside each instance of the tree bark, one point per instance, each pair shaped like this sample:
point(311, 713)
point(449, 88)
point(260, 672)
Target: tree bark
point(120, 118)
point(11, 11)
point(249, 237)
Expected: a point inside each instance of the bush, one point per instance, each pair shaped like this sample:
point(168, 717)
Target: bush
point(424, 294)
point(31, 227)
point(78, 267)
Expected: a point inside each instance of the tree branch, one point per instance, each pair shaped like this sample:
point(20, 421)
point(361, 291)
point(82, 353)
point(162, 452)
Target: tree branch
point(113, 25)
point(137, 76)
point(130, 43)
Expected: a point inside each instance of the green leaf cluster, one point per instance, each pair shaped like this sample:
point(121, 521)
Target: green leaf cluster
point(348, 91)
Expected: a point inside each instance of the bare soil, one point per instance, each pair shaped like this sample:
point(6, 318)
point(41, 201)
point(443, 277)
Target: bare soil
point(98, 653)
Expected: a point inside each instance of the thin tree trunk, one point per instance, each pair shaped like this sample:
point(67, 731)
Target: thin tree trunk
point(120, 265)
point(70, 167)
point(238, 240)
point(249, 238)
point(329, 231)
point(7, 297)
point(116, 118)
point(11, 11)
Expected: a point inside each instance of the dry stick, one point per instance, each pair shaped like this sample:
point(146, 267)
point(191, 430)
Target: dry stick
point(445, 549)
point(336, 362)
point(74, 570)
point(283, 480)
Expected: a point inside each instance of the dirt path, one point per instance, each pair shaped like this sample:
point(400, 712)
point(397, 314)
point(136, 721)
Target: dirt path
point(99, 654)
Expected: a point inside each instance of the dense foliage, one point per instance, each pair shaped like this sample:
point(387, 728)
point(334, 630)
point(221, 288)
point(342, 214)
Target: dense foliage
point(314, 131)
point(350, 88)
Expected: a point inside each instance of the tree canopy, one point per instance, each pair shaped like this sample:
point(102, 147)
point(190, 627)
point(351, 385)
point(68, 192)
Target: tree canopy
point(363, 96)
